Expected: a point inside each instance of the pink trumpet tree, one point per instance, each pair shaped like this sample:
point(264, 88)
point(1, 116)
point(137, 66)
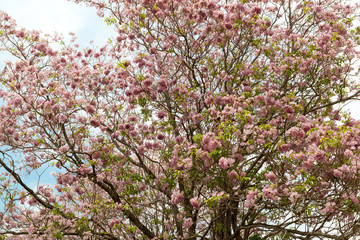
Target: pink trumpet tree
point(207, 119)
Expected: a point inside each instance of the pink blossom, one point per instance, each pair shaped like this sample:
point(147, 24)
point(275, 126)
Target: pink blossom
point(177, 197)
point(195, 203)
point(284, 147)
point(319, 155)
point(63, 149)
point(348, 153)
point(94, 122)
point(114, 222)
point(269, 100)
point(251, 194)
point(271, 177)
point(288, 109)
point(308, 165)
point(354, 199)
point(344, 168)
point(97, 155)
point(270, 193)
point(132, 119)
point(295, 132)
point(256, 10)
point(228, 26)
point(128, 126)
point(329, 208)
point(17, 101)
point(161, 114)
point(16, 136)
point(148, 83)
point(90, 109)
point(173, 162)
point(63, 118)
point(188, 223)
point(337, 173)
point(251, 197)
point(213, 145)
point(294, 196)
point(207, 138)
point(84, 169)
point(178, 139)
point(160, 136)
point(172, 38)
point(306, 127)
point(187, 163)
point(247, 89)
point(133, 133)
point(141, 150)
point(163, 85)
point(81, 119)
point(233, 175)
point(129, 92)
point(226, 163)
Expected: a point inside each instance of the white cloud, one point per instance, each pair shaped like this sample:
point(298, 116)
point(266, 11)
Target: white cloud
point(46, 15)
point(61, 16)
point(354, 108)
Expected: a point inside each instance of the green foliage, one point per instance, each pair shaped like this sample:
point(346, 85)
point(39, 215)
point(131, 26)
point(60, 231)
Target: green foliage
point(110, 21)
point(82, 225)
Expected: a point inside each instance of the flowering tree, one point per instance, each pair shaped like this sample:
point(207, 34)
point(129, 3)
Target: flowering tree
point(201, 120)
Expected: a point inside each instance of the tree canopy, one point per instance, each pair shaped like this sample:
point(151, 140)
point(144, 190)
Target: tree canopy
point(210, 119)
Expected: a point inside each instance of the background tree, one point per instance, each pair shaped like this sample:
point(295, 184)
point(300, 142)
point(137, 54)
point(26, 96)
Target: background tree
point(201, 120)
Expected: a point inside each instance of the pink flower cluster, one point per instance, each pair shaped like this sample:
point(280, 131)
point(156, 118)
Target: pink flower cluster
point(271, 177)
point(195, 203)
point(295, 132)
point(188, 223)
point(226, 163)
point(251, 197)
point(177, 197)
point(210, 143)
point(329, 208)
point(270, 193)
